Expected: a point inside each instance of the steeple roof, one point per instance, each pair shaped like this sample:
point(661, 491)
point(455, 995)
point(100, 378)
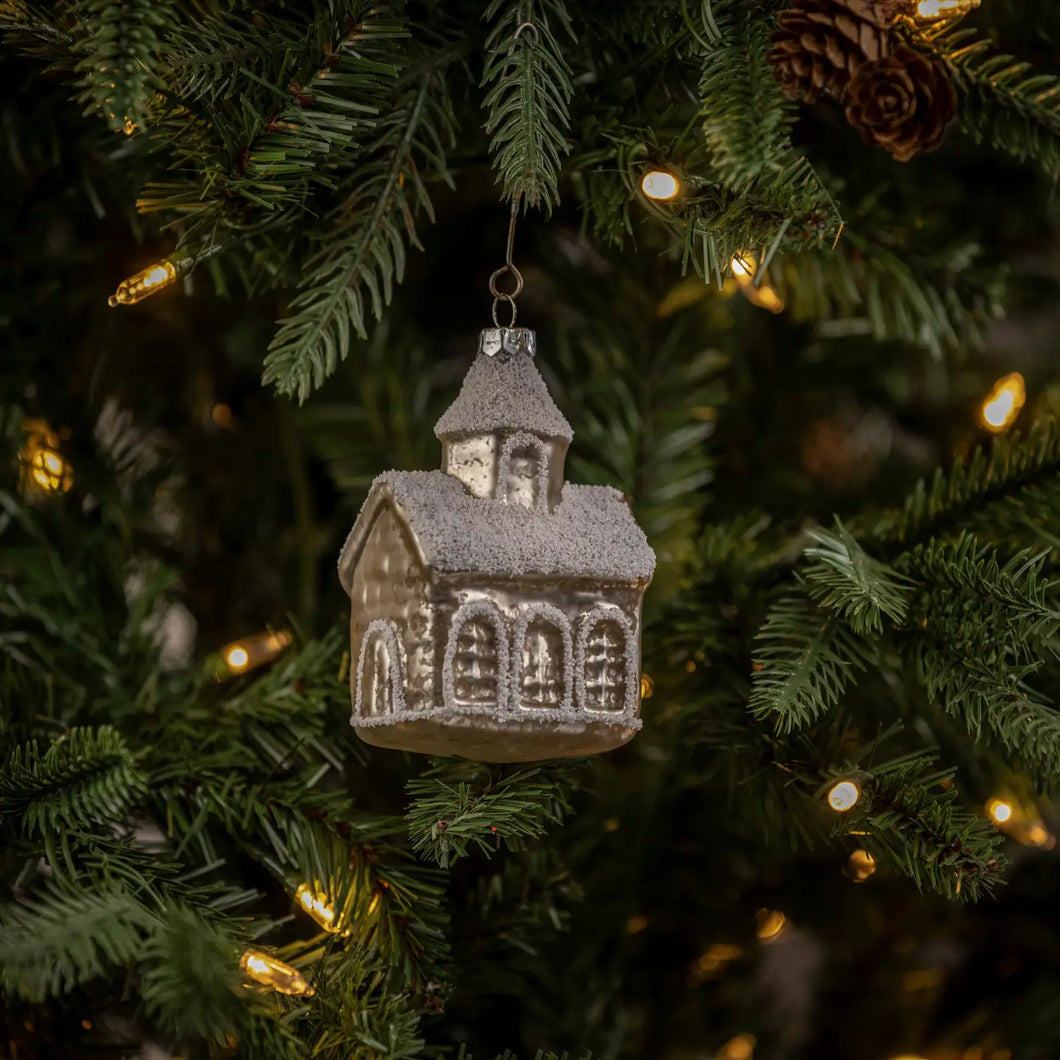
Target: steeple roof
point(503, 390)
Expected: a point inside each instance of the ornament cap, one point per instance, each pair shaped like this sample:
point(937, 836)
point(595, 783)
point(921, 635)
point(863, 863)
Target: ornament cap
point(493, 341)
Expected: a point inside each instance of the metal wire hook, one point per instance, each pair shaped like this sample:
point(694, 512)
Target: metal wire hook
point(508, 267)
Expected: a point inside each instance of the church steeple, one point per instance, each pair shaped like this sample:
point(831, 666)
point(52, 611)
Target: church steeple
point(503, 436)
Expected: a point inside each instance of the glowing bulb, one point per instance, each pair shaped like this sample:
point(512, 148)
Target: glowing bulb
point(771, 924)
point(860, 866)
point(318, 909)
point(931, 10)
point(743, 265)
point(647, 686)
point(1003, 403)
point(129, 127)
point(660, 185)
point(742, 1047)
point(273, 973)
point(146, 282)
point(237, 658)
point(253, 651)
point(843, 796)
point(1000, 810)
point(44, 470)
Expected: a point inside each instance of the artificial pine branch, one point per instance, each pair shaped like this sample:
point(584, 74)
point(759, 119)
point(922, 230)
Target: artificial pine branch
point(301, 125)
point(1015, 593)
point(460, 806)
point(68, 935)
point(118, 46)
point(189, 979)
point(1012, 488)
point(529, 97)
point(1003, 102)
point(848, 580)
point(364, 253)
point(86, 776)
point(942, 300)
point(746, 118)
point(990, 697)
point(914, 824)
point(804, 659)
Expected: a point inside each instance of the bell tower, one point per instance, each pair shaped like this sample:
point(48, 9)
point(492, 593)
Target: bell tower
point(503, 437)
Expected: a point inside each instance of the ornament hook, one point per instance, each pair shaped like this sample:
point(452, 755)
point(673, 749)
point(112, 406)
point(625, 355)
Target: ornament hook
point(508, 267)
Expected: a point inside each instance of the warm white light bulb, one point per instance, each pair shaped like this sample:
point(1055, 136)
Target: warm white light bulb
point(1003, 403)
point(1000, 810)
point(931, 10)
point(843, 796)
point(237, 658)
point(660, 185)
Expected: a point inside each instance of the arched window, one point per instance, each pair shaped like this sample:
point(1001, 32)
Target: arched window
point(379, 683)
point(476, 658)
point(606, 668)
point(543, 651)
point(523, 472)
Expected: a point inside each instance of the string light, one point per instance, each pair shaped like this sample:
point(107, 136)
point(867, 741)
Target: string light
point(860, 866)
point(742, 1047)
point(647, 686)
point(660, 185)
point(1003, 403)
point(268, 971)
point(1020, 821)
point(318, 909)
point(743, 267)
point(713, 961)
point(44, 471)
point(146, 282)
point(129, 127)
point(251, 652)
point(771, 924)
point(1000, 810)
point(933, 10)
point(843, 796)
point(636, 924)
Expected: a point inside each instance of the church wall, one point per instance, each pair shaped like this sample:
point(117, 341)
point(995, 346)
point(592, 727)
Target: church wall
point(519, 601)
point(390, 584)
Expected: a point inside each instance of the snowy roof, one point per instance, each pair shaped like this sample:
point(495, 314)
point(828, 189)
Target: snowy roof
point(591, 532)
point(504, 390)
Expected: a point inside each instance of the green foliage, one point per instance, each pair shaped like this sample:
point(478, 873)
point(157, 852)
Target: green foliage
point(67, 936)
point(190, 977)
point(529, 97)
point(1014, 487)
point(1003, 101)
point(363, 253)
point(746, 118)
point(642, 391)
point(117, 45)
point(84, 777)
point(804, 661)
point(460, 806)
point(915, 824)
point(848, 580)
point(941, 301)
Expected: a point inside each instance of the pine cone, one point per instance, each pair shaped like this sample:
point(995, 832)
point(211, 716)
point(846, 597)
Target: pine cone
point(820, 43)
point(902, 102)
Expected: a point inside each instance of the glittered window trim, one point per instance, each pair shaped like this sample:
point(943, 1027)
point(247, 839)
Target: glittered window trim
point(556, 618)
point(380, 629)
point(586, 628)
point(524, 440)
point(487, 610)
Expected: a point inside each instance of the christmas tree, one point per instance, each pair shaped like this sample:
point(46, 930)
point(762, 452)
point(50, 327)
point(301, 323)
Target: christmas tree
point(791, 268)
